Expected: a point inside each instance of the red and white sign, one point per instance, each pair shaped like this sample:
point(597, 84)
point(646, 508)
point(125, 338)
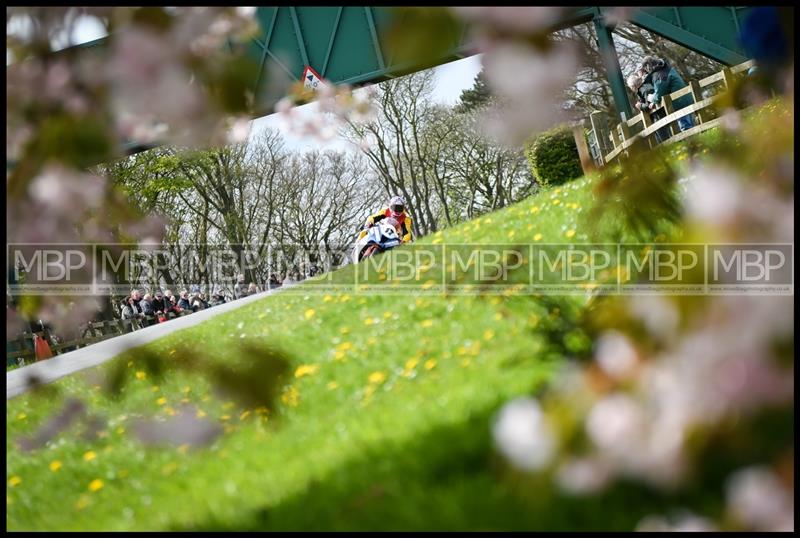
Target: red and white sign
point(311, 79)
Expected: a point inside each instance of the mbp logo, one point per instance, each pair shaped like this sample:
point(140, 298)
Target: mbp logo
point(751, 267)
point(46, 267)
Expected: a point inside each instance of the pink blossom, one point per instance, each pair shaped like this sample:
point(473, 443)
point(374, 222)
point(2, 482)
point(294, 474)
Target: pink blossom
point(757, 499)
point(615, 354)
point(583, 476)
point(521, 19)
point(522, 434)
point(529, 85)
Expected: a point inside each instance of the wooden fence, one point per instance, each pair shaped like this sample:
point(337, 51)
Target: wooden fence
point(21, 350)
point(595, 146)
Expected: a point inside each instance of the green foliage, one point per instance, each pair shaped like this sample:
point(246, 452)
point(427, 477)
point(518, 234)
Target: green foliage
point(553, 157)
point(476, 96)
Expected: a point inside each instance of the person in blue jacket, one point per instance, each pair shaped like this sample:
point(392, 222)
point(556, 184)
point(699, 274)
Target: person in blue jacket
point(666, 81)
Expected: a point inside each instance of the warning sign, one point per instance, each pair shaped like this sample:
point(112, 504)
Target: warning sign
point(311, 79)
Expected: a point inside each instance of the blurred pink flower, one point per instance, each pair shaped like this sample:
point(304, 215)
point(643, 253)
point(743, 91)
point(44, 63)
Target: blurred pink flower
point(522, 435)
point(521, 19)
point(583, 476)
point(529, 85)
point(615, 354)
point(757, 499)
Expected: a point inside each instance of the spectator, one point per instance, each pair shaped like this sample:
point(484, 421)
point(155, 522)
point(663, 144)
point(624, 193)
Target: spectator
point(239, 289)
point(136, 296)
point(146, 304)
point(198, 302)
point(183, 302)
point(273, 281)
point(159, 304)
point(130, 311)
point(173, 306)
point(641, 85)
point(252, 289)
point(217, 298)
point(666, 81)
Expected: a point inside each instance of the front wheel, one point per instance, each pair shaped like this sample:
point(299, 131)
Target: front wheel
point(369, 251)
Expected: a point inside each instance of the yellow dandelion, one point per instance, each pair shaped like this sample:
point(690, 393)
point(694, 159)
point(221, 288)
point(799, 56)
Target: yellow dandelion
point(200, 413)
point(170, 411)
point(95, 485)
point(120, 430)
point(428, 284)
point(570, 233)
point(89, 456)
point(377, 377)
point(339, 356)
point(427, 323)
point(55, 465)
point(327, 299)
point(161, 401)
point(556, 201)
point(345, 346)
point(14, 481)
point(465, 363)
point(169, 468)
point(82, 502)
point(186, 389)
point(22, 416)
point(344, 298)
point(411, 364)
point(141, 375)
point(333, 385)
point(306, 369)
point(535, 209)
point(369, 321)
point(488, 334)
point(290, 397)
point(537, 237)
point(155, 388)
point(511, 234)
point(310, 313)
point(498, 316)
point(430, 364)
point(387, 315)
point(244, 415)
point(344, 330)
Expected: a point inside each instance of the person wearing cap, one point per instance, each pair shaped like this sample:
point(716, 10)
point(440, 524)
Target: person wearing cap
point(159, 305)
point(397, 211)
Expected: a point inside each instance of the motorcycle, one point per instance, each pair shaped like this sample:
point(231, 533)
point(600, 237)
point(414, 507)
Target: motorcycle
point(381, 237)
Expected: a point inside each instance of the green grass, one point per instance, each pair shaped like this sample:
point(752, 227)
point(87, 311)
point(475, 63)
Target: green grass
point(416, 453)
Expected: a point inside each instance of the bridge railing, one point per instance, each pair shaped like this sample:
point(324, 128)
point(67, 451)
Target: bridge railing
point(623, 135)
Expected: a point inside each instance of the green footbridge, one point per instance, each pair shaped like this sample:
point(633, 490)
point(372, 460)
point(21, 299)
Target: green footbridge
point(351, 45)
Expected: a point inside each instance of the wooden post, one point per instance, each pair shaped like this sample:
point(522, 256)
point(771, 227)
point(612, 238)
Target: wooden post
point(600, 128)
point(697, 95)
point(625, 133)
point(669, 108)
point(727, 77)
point(583, 150)
point(647, 121)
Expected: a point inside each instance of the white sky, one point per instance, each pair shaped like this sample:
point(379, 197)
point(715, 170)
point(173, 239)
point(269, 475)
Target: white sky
point(450, 79)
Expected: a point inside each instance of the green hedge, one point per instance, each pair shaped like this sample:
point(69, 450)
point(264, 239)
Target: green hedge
point(553, 157)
